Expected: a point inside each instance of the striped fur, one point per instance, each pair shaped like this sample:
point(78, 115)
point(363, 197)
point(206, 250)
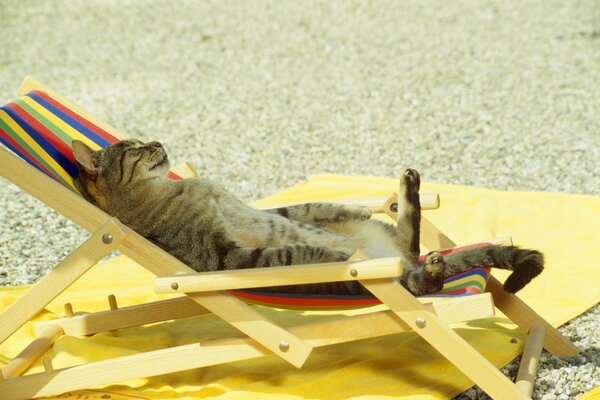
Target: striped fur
point(209, 229)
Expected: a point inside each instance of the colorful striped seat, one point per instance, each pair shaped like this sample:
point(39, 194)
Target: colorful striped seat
point(40, 129)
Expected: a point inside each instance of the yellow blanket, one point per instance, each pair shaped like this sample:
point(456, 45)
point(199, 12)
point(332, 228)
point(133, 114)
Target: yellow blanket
point(565, 227)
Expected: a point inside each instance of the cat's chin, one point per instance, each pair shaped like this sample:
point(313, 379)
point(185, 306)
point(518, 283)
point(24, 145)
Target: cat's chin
point(163, 163)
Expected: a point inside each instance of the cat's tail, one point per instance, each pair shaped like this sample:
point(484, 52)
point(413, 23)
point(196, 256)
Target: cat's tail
point(525, 264)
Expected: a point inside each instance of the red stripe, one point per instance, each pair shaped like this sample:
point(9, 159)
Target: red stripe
point(304, 301)
point(29, 157)
point(173, 176)
point(56, 142)
point(99, 131)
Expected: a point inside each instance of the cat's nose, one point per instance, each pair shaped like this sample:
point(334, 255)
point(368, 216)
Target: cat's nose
point(155, 144)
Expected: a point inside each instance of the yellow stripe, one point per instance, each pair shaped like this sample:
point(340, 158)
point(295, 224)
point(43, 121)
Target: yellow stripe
point(60, 124)
point(36, 148)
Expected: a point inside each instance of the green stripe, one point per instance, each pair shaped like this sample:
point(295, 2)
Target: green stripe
point(45, 121)
point(30, 151)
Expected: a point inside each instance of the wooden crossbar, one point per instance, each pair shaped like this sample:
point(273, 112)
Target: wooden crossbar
point(280, 276)
point(450, 310)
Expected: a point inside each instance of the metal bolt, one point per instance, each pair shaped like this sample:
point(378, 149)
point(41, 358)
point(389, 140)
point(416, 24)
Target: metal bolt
point(174, 286)
point(353, 272)
point(514, 340)
point(107, 238)
point(421, 322)
point(284, 346)
point(394, 207)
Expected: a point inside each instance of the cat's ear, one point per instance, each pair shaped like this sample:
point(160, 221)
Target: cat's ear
point(85, 157)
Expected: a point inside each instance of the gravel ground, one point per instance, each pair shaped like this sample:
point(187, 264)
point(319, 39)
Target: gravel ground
point(262, 94)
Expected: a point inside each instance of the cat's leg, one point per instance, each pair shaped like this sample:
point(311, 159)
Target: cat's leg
point(409, 214)
point(244, 257)
point(430, 277)
point(323, 213)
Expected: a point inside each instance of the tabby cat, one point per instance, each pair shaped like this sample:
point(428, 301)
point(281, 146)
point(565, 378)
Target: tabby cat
point(209, 229)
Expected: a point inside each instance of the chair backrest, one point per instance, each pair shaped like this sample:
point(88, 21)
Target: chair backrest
point(40, 130)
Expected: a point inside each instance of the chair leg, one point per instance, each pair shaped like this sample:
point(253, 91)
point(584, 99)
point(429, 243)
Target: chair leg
point(530, 359)
point(101, 243)
point(42, 343)
point(443, 339)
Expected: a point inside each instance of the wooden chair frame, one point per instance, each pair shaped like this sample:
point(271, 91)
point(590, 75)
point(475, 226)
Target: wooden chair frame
point(261, 336)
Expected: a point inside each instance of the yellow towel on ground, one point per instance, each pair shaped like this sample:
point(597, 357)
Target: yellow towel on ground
point(564, 227)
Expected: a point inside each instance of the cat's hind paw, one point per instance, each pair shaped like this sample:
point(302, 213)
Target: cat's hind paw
point(411, 179)
point(435, 265)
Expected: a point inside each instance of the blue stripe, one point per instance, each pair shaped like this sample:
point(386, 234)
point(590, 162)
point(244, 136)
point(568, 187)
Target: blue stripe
point(63, 161)
point(70, 121)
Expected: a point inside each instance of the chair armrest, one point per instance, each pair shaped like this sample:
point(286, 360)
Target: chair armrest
point(280, 276)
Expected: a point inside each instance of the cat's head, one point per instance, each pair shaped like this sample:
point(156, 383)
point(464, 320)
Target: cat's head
point(117, 167)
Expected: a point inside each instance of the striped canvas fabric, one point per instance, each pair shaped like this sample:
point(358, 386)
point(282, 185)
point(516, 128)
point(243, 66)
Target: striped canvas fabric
point(464, 284)
point(40, 130)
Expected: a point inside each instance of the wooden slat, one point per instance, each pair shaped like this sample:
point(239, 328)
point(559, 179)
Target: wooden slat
point(280, 276)
point(60, 278)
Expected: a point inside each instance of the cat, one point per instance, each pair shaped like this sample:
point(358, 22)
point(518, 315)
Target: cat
point(209, 229)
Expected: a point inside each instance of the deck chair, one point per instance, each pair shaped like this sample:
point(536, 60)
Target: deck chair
point(225, 294)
